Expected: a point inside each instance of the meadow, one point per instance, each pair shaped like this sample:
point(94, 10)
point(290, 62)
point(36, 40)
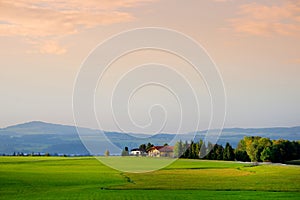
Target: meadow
point(87, 178)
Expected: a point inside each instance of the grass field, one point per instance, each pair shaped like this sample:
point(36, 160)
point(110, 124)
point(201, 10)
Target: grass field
point(87, 178)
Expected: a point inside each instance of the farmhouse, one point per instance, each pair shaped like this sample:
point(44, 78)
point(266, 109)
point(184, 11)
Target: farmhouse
point(137, 152)
point(161, 151)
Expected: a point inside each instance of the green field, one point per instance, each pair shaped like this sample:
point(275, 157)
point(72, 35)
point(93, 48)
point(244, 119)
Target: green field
point(87, 178)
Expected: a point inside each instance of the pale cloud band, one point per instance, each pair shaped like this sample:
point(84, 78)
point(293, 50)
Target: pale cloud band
point(42, 22)
point(265, 20)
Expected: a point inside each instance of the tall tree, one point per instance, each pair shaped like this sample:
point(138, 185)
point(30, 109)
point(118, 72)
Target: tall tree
point(202, 149)
point(210, 151)
point(106, 153)
point(149, 145)
point(219, 152)
point(125, 152)
point(143, 147)
point(186, 149)
point(252, 147)
point(228, 152)
point(240, 151)
point(191, 150)
point(194, 150)
point(178, 149)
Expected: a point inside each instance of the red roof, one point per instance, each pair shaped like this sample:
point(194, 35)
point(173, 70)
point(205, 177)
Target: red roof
point(162, 148)
point(167, 149)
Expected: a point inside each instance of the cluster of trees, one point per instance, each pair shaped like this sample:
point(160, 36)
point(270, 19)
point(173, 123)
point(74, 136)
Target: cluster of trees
point(146, 147)
point(196, 150)
point(255, 149)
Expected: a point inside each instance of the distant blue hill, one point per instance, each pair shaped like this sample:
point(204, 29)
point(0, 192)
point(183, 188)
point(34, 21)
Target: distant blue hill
point(44, 137)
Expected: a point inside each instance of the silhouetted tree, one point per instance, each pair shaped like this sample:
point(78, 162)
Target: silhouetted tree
point(106, 153)
point(202, 149)
point(210, 151)
point(186, 148)
point(125, 152)
point(219, 152)
point(143, 147)
point(149, 145)
point(228, 153)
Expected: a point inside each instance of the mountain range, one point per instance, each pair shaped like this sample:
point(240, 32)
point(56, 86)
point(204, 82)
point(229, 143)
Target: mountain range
point(45, 137)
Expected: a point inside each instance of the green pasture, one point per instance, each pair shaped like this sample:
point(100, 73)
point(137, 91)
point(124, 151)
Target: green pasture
point(87, 178)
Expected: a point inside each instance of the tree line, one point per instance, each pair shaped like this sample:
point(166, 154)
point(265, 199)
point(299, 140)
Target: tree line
point(254, 149)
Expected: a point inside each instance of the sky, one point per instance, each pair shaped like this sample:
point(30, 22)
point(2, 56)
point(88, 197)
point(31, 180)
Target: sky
point(254, 44)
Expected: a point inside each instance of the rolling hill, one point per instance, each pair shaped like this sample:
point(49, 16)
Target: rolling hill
point(44, 137)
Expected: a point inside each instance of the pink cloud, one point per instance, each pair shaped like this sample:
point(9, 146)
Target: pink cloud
point(46, 47)
point(294, 61)
point(266, 20)
point(54, 19)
